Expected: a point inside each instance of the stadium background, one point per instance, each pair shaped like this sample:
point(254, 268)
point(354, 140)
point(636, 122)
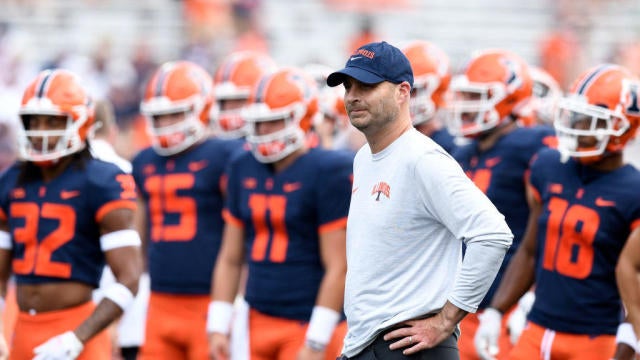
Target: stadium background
point(115, 44)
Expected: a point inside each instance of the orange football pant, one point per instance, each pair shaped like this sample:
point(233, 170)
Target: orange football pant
point(273, 338)
point(33, 330)
point(537, 343)
point(176, 328)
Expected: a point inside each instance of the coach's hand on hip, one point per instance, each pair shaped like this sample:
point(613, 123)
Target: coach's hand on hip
point(421, 334)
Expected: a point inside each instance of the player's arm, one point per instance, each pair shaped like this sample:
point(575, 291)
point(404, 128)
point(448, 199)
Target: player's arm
point(628, 279)
point(5, 261)
point(520, 274)
point(121, 245)
point(225, 283)
point(328, 308)
point(141, 225)
point(517, 280)
point(5, 272)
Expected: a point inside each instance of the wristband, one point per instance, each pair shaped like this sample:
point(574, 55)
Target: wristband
point(315, 346)
point(119, 294)
point(118, 239)
point(323, 322)
point(626, 335)
point(5, 240)
point(219, 317)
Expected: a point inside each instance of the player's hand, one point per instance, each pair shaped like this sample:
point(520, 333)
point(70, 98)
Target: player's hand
point(307, 353)
point(518, 318)
point(65, 346)
point(219, 346)
point(486, 339)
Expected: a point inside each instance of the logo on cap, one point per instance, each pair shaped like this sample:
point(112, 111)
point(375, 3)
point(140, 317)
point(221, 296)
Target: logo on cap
point(364, 52)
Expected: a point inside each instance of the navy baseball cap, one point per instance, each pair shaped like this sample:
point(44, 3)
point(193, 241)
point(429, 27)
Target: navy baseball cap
point(374, 63)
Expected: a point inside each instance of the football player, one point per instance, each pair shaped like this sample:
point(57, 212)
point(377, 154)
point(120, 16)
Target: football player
point(584, 206)
point(63, 214)
point(432, 75)
point(546, 93)
point(179, 181)
point(285, 215)
point(233, 80)
point(486, 98)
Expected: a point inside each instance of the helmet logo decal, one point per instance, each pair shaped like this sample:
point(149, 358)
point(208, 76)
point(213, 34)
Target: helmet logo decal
point(630, 98)
point(513, 81)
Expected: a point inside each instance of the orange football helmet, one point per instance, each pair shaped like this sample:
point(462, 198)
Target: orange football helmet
point(233, 80)
point(432, 75)
point(177, 87)
point(331, 102)
point(493, 87)
point(546, 93)
point(57, 93)
point(289, 94)
point(600, 114)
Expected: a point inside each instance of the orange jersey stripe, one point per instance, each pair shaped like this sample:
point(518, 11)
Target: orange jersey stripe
point(333, 225)
point(114, 205)
point(228, 217)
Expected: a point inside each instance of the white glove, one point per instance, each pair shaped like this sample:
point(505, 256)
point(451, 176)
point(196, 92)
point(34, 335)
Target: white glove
point(518, 318)
point(65, 346)
point(486, 339)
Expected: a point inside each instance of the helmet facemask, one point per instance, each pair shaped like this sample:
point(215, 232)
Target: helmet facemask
point(174, 138)
point(421, 105)
point(35, 145)
point(226, 116)
point(473, 106)
point(275, 146)
point(584, 130)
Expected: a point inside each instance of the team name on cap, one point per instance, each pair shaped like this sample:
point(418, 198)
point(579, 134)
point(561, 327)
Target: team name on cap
point(365, 53)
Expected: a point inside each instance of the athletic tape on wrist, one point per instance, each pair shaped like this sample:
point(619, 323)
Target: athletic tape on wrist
point(323, 322)
point(219, 317)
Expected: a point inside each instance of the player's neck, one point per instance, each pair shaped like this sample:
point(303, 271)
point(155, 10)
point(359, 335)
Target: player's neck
point(487, 141)
point(51, 172)
point(608, 163)
point(280, 165)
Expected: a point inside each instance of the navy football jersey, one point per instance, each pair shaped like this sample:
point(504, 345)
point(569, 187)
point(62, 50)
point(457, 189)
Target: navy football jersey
point(444, 138)
point(184, 214)
point(500, 173)
point(282, 215)
point(586, 219)
point(55, 225)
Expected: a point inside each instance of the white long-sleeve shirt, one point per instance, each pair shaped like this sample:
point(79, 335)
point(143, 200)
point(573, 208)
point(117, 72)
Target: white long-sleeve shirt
point(411, 208)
